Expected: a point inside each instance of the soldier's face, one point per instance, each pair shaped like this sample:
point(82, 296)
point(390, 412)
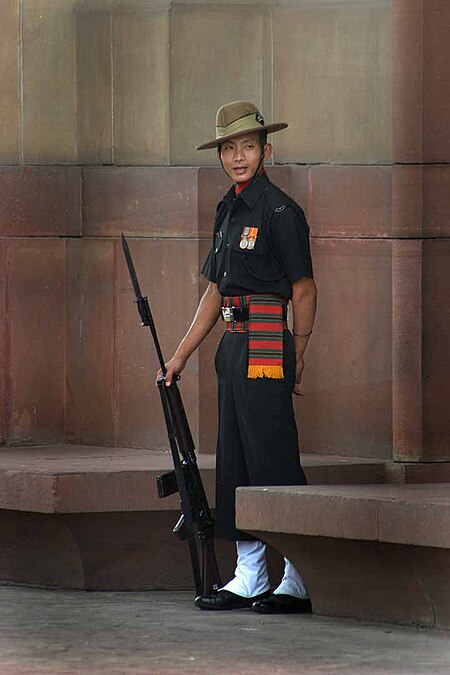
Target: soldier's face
point(241, 155)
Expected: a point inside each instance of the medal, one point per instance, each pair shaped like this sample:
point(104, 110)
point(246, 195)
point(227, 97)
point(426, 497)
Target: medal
point(252, 234)
point(248, 238)
point(244, 234)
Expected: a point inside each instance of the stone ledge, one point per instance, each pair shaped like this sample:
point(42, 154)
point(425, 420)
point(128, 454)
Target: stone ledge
point(401, 514)
point(88, 479)
point(89, 517)
point(373, 552)
point(417, 472)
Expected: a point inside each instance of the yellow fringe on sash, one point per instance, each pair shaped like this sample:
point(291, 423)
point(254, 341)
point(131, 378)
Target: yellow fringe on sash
point(274, 372)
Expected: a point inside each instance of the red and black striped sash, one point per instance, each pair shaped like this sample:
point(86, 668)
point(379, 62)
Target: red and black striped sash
point(265, 328)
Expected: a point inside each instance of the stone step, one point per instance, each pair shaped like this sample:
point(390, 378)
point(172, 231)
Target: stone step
point(89, 479)
point(378, 552)
point(402, 514)
point(90, 517)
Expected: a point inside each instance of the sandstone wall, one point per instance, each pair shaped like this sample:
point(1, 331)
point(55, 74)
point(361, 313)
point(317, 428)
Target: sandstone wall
point(101, 106)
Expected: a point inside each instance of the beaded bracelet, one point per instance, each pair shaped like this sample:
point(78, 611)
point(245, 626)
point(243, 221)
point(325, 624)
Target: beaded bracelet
point(300, 335)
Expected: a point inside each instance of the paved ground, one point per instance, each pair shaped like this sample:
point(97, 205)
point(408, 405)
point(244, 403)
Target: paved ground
point(66, 632)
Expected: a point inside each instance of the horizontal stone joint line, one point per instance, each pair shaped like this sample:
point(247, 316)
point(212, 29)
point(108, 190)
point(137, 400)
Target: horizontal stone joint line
point(369, 238)
point(440, 163)
point(100, 237)
point(104, 237)
point(209, 167)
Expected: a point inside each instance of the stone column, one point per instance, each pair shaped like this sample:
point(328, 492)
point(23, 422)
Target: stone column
point(421, 224)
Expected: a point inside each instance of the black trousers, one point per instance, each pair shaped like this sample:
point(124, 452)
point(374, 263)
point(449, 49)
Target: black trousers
point(257, 438)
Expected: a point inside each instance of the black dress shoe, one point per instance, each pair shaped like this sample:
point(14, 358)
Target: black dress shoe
point(227, 600)
point(282, 604)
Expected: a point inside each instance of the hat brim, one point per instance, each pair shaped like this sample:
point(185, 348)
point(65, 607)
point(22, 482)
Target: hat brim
point(268, 128)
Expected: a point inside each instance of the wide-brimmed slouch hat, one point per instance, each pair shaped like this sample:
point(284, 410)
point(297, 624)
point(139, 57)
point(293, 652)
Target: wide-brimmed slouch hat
point(238, 118)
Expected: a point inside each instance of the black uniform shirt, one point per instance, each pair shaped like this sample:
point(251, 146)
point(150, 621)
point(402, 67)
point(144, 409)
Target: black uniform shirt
point(281, 252)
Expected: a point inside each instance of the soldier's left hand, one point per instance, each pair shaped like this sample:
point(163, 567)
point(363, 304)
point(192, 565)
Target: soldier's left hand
point(298, 376)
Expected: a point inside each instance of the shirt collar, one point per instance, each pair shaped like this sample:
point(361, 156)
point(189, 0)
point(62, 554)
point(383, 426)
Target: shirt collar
point(239, 187)
point(251, 193)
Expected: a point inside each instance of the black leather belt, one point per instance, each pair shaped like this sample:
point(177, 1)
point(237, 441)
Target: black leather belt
point(241, 313)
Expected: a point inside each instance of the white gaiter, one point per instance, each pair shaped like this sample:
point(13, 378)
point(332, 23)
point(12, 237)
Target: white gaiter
point(291, 583)
point(250, 576)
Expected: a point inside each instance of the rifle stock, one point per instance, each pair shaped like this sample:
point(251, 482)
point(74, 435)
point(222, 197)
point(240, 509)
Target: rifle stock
point(196, 523)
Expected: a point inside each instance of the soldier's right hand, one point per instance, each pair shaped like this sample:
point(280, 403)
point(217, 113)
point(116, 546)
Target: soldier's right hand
point(174, 367)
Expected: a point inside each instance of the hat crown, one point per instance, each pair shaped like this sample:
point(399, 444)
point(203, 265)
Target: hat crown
point(230, 112)
point(238, 118)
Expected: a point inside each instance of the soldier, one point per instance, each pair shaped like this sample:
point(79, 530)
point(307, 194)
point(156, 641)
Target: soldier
point(259, 260)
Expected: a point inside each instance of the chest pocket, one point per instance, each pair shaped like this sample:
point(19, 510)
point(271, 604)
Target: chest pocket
point(260, 261)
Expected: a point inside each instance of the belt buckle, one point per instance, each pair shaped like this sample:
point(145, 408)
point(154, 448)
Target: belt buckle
point(227, 313)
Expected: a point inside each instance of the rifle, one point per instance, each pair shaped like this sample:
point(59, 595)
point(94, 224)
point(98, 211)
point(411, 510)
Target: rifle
point(195, 523)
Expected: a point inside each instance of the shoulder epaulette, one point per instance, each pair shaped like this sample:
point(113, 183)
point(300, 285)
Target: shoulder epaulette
point(277, 199)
